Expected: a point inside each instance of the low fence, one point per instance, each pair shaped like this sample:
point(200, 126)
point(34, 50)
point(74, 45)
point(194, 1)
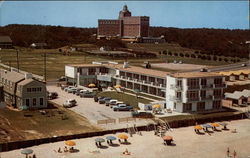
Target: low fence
point(173, 124)
point(100, 122)
point(113, 121)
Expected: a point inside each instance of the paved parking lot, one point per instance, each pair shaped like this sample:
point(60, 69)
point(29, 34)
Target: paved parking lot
point(87, 107)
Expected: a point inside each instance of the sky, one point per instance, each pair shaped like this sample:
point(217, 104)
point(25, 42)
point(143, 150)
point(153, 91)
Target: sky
point(180, 14)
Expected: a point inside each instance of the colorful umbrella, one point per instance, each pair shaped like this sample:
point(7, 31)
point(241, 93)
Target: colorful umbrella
point(118, 86)
point(99, 140)
point(111, 138)
point(122, 136)
point(198, 127)
point(70, 143)
point(156, 106)
point(91, 85)
point(167, 138)
point(214, 124)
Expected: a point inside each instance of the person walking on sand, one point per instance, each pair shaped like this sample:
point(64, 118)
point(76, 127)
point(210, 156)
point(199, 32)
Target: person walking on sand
point(234, 154)
point(228, 152)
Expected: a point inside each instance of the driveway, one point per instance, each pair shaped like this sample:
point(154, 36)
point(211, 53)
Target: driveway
point(86, 107)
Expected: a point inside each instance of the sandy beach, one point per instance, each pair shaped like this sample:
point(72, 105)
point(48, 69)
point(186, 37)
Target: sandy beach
point(186, 144)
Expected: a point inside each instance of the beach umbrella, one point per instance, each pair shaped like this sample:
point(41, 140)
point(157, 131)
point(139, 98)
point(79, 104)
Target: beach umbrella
point(167, 138)
point(207, 126)
point(122, 136)
point(111, 138)
point(118, 86)
point(198, 127)
point(99, 140)
point(223, 123)
point(91, 85)
point(214, 124)
point(70, 143)
point(156, 106)
point(26, 152)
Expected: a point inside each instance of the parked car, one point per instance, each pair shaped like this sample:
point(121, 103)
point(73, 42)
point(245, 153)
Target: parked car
point(63, 86)
point(77, 92)
point(103, 100)
point(122, 107)
point(69, 103)
point(62, 78)
point(72, 90)
point(142, 114)
point(52, 95)
point(87, 94)
point(112, 101)
point(69, 87)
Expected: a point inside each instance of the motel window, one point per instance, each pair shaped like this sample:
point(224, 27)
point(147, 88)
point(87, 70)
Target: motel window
point(216, 104)
point(203, 81)
point(178, 94)
point(41, 101)
point(28, 89)
point(34, 101)
point(217, 92)
point(33, 89)
point(200, 106)
point(192, 94)
point(218, 81)
point(179, 83)
point(143, 78)
point(151, 79)
point(203, 93)
point(187, 107)
point(27, 102)
point(194, 82)
point(39, 89)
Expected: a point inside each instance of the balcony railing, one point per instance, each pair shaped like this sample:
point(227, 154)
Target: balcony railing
point(176, 99)
point(193, 87)
point(218, 97)
point(193, 99)
point(206, 98)
point(220, 85)
point(206, 86)
point(176, 87)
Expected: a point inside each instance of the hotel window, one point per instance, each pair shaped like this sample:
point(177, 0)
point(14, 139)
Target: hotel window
point(216, 104)
point(203, 93)
point(28, 89)
point(200, 106)
point(179, 83)
point(33, 89)
point(151, 79)
point(34, 101)
point(192, 94)
point(187, 107)
point(92, 71)
point(217, 92)
point(39, 89)
point(203, 81)
point(194, 82)
point(27, 102)
point(218, 81)
point(41, 101)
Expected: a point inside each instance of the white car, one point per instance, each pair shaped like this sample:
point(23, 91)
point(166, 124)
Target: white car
point(69, 103)
point(69, 87)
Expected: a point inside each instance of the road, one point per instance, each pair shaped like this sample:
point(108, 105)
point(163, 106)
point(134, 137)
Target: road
point(229, 67)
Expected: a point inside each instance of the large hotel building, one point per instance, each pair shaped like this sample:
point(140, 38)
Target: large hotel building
point(126, 26)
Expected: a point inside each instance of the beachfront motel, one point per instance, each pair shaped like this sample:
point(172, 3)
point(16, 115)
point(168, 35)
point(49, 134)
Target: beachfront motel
point(183, 92)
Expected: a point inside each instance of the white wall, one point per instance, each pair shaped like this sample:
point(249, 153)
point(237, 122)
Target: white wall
point(70, 71)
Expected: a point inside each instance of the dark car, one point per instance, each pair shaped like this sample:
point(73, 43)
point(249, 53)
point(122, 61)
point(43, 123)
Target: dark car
point(77, 92)
point(96, 98)
point(104, 100)
point(52, 95)
point(122, 107)
point(142, 114)
point(62, 78)
point(87, 94)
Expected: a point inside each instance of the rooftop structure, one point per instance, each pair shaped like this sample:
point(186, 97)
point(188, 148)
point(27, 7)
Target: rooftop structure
point(5, 42)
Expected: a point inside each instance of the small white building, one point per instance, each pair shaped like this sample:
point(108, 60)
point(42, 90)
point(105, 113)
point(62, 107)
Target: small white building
point(194, 91)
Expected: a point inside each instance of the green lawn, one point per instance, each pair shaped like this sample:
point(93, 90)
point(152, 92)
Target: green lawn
point(128, 99)
point(144, 95)
point(36, 125)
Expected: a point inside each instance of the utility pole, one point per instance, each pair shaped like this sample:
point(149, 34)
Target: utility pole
point(44, 60)
point(17, 59)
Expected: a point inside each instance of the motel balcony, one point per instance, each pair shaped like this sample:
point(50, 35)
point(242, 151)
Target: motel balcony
point(176, 87)
point(218, 97)
point(193, 87)
point(193, 99)
point(175, 99)
point(219, 85)
point(209, 97)
point(207, 86)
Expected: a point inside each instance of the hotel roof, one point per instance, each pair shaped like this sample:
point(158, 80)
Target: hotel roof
point(195, 74)
point(131, 69)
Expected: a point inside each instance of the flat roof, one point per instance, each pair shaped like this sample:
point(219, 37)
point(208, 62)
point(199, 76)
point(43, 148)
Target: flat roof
point(132, 69)
point(195, 74)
